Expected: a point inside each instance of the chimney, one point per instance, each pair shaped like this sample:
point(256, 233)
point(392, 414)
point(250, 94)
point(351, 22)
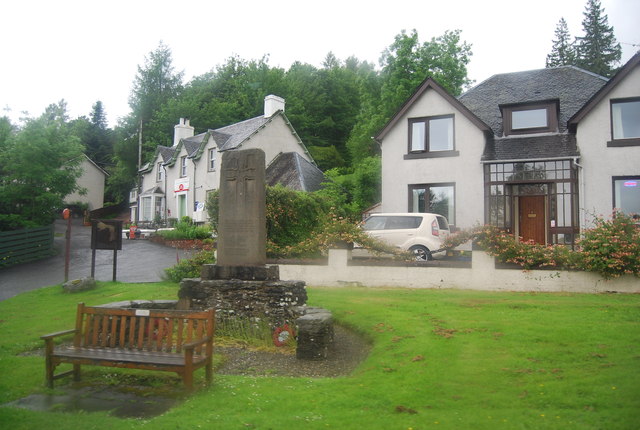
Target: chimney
point(182, 131)
point(272, 104)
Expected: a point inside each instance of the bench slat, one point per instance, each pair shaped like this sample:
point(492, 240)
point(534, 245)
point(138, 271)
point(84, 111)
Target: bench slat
point(125, 356)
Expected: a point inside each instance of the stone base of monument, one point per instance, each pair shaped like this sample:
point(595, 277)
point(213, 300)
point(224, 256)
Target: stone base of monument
point(245, 292)
point(256, 293)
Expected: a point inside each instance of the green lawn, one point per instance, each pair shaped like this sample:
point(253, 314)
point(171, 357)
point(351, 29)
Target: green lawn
point(441, 359)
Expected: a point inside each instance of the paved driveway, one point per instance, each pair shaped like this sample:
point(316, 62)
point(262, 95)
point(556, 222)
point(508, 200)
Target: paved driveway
point(138, 261)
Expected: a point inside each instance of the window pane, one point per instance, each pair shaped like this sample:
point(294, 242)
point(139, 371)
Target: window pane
point(626, 120)
point(146, 208)
point(441, 134)
point(531, 118)
point(417, 136)
point(627, 195)
point(417, 200)
point(441, 202)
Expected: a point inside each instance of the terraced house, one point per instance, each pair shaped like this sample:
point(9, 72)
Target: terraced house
point(538, 153)
point(176, 182)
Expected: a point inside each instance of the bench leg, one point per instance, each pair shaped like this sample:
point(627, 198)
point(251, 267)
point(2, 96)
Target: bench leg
point(76, 372)
point(49, 368)
point(187, 379)
point(209, 372)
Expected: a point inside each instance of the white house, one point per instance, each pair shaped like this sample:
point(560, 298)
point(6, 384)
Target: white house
point(532, 152)
point(92, 180)
point(175, 183)
point(608, 133)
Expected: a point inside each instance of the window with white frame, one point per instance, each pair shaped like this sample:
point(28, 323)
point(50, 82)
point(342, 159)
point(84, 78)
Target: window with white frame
point(183, 166)
point(160, 175)
point(625, 119)
point(212, 159)
point(626, 194)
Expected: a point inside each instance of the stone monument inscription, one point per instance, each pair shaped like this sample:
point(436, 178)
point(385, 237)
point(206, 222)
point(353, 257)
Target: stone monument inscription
point(242, 234)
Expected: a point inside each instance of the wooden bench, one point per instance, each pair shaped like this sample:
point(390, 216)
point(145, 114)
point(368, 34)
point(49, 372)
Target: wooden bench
point(168, 340)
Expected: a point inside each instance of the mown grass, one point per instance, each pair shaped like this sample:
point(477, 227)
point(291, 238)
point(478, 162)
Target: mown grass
point(441, 359)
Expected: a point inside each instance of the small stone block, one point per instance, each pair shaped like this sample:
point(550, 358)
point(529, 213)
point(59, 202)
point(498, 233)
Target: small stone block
point(77, 285)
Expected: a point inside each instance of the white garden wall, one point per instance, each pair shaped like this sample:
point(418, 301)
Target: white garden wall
point(482, 275)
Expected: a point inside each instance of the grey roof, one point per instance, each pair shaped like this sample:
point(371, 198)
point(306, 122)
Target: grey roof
point(239, 132)
point(293, 171)
point(166, 152)
point(571, 86)
point(550, 145)
point(192, 144)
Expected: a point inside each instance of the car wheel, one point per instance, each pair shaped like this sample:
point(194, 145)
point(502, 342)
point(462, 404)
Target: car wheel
point(421, 253)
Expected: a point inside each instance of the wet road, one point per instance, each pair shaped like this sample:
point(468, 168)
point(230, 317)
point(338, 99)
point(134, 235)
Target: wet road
point(138, 261)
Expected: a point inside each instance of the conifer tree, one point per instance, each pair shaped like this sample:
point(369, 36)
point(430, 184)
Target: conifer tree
point(563, 50)
point(597, 51)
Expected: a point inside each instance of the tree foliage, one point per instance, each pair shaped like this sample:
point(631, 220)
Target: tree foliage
point(563, 49)
point(597, 51)
point(40, 165)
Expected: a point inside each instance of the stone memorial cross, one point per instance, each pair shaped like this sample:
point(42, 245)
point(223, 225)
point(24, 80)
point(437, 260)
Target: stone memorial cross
point(242, 230)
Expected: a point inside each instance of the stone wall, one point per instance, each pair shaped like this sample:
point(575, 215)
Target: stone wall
point(275, 301)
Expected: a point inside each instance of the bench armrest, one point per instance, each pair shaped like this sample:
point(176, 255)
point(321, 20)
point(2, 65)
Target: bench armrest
point(193, 345)
point(56, 334)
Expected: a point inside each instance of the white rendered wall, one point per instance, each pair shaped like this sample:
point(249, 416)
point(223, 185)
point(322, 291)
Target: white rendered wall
point(92, 180)
point(600, 162)
point(465, 170)
point(481, 276)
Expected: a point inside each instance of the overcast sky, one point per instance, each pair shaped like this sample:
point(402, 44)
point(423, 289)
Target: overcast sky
point(83, 51)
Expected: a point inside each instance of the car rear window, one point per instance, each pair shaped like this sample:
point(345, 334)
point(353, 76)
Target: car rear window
point(442, 223)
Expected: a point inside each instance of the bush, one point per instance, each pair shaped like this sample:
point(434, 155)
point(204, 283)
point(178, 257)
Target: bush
point(612, 248)
point(190, 268)
point(185, 229)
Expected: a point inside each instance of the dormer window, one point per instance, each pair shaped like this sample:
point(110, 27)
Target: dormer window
point(212, 159)
point(530, 118)
point(160, 175)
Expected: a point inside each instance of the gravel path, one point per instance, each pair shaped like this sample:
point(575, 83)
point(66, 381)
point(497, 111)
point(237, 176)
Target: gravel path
point(347, 351)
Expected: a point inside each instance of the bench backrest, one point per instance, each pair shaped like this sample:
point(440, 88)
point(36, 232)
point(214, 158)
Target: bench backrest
point(142, 329)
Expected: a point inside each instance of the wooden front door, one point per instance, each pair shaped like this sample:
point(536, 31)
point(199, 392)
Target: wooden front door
point(532, 219)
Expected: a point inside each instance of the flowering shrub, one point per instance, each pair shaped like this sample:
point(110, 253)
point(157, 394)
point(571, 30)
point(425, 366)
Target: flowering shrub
point(611, 248)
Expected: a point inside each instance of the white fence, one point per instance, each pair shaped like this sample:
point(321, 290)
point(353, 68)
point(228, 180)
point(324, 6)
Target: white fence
point(341, 270)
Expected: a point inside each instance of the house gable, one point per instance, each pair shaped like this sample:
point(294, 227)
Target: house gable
point(599, 96)
point(430, 84)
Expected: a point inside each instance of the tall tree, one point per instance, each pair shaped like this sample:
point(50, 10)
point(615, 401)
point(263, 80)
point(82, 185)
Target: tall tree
point(154, 85)
point(98, 139)
point(563, 49)
point(597, 51)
